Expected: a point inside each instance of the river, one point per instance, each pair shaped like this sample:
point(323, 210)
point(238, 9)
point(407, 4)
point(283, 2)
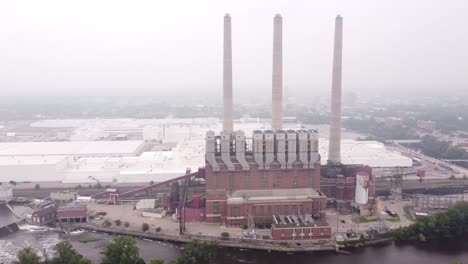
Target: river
point(427, 253)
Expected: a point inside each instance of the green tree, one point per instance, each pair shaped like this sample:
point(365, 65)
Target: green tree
point(65, 254)
point(27, 256)
point(157, 261)
point(122, 250)
point(106, 224)
point(197, 252)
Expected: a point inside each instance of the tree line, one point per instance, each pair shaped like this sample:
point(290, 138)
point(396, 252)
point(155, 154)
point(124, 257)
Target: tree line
point(447, 225)
point(122, 250)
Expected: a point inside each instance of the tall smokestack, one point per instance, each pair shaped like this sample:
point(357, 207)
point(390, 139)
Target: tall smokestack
point(277, 89)
point(335, 125)
point(227, 76)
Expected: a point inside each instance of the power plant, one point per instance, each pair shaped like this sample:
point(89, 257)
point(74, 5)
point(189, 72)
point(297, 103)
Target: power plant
point(275, 177)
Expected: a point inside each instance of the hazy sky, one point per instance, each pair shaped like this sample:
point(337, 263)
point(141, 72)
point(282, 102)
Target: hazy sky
point(107, 47)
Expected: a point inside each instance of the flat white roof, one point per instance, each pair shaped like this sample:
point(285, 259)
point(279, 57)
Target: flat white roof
point(31, 160)
point(371, 153)
point(69, 148)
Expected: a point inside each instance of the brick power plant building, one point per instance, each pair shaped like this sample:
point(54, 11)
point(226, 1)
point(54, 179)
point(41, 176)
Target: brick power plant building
point(274, 178)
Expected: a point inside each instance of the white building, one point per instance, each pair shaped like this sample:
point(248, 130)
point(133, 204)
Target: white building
point(6, 194)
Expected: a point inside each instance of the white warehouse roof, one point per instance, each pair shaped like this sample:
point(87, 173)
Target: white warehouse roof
point(371, 153)
point(78, 148)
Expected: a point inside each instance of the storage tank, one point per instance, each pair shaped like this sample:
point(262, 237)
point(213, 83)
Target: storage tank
point(362, 188)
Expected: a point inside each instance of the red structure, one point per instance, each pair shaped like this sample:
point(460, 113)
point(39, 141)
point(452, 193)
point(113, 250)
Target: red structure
point(294, 231)
point(73, 213)
point(194, 214)
point(338, 183)
point(44, 215)
point(278, 175)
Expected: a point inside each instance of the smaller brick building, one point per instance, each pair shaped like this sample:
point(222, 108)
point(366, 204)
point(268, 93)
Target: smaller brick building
point(262, 205)
point(73, 213)
point(300, 231)
point(44, 215)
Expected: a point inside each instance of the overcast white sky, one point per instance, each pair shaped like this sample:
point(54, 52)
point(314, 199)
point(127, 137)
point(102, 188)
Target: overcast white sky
point(107, 47)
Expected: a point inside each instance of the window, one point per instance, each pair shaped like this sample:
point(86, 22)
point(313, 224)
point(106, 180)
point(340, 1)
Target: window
point(277, 210)
point(264, 180)
point(254, 211)
point(295, 178)
point(286, 210)
point(215, 207)
point(247, 180)
point(261, 211)
point(235, 212)
point(231, 181)
point(269, 211)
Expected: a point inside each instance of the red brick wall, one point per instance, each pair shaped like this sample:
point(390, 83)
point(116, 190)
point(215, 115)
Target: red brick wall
point(253, 179)
point(319, 232)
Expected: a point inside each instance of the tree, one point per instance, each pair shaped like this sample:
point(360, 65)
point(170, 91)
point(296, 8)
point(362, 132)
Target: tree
point(197, 252)
point(122, 250)
point(157, 261)
point(27, 256)
point(106, 224)
point(145, 227)
point(224, 235)
point(65, 254)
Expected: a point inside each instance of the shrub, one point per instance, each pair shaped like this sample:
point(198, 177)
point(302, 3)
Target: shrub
point(158, 229)
point(106, 224)
point(12, 182)
point(91, 217)
point(37, 186)
point(118, 222)
point(126, 224)
point(452, 177)
point(224, 235)
point(98, 185)
point(145, 227)
point(78, 186)
point(88, 239)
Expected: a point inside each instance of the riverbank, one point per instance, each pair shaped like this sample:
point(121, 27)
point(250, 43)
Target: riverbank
point(265, 245)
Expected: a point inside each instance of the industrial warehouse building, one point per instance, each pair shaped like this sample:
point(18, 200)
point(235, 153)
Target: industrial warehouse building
point(136, 161)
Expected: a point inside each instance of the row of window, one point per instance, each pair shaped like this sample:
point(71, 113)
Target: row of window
point(268, 210)
point(247, 181)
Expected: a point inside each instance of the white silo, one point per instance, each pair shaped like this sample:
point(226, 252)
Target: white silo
point(362, 188)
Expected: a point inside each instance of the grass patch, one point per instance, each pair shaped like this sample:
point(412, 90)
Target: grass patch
point(88, 239)
point(361, 219)
point(352, 242)
point(408, 214)
point(395, 219)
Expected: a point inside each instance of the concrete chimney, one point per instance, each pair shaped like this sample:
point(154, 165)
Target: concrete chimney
point(277, 87)
point(334, 148)
point(227, 76)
